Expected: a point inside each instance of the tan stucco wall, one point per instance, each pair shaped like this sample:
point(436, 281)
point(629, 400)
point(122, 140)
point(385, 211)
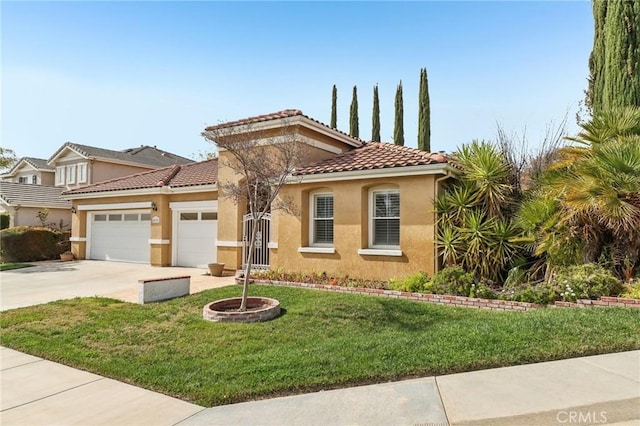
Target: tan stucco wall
point(351, 204)
point(27, 216)
point(160, 254)
point(44, 178)
point(100, 171)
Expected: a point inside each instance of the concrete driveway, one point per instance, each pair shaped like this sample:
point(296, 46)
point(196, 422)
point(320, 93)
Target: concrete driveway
point(54, 280)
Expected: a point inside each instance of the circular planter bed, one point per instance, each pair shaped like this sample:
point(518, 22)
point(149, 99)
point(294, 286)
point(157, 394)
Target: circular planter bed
point(226, 310)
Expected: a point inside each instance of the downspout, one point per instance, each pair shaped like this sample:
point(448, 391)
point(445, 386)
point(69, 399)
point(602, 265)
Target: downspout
point(435, 225)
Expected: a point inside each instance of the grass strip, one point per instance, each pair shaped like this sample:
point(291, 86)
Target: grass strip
point(322, 341)
point(7, 266)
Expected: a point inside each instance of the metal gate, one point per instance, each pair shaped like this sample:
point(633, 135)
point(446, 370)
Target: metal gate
point(260, 259)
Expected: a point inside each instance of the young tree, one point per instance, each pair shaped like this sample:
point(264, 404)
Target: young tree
point(334, 107)
point(424, 114)
point(398, 128)
point(7, 158)
point(614, 63)
point(354, 129)
point(375, 121)
point(262, 161)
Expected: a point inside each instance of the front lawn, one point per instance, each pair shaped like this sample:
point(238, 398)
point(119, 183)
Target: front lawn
point(324, 340)
point(7, 266)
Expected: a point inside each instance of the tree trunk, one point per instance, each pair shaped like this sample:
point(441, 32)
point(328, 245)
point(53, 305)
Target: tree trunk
point(247, 271)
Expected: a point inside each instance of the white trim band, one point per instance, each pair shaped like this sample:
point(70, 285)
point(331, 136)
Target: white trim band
point(77, 239)
point(229, 243)
point(428, 169)
point(322, 250)
point(159, 241)
point(116, 206)
point(194, 205)
point(272, 244)
point(379, 252)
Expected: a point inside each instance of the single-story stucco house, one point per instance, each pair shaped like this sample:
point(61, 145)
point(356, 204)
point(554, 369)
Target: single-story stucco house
point(363, 209)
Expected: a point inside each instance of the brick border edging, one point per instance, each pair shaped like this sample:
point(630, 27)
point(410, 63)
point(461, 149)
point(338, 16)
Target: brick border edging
point(440, 299)
point(603, 302)
point(460, 301)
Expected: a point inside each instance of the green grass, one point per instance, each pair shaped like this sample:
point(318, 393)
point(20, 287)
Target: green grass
point(323, 341)
point(7, 266)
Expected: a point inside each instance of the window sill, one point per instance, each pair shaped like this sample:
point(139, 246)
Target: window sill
point(323, 250)
point(380, 252)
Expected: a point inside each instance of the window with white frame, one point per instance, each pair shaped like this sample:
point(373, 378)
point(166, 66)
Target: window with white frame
point(82, 172)
point(34, 179)
point(60, 175)
point(321, 232)
point(385, 218)
point(71, 173)
point(23, 179)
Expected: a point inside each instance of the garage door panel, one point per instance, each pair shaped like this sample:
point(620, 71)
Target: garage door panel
point(196, 239)
point(120, 240)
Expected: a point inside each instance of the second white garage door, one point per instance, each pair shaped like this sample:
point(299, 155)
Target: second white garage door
point(197, 232)
point(121, 236)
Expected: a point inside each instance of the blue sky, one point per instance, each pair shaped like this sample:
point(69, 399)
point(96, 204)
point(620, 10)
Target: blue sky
point(124, 74)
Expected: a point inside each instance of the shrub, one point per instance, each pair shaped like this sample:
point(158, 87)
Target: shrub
point(5, 220)
point(632, 290)
point(416, 283)
point(452, 280)
point(588, 281)
point(29, 243)
point(542, 294)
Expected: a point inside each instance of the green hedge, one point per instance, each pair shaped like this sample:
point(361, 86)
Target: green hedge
point(5, 220)
point(30, 243)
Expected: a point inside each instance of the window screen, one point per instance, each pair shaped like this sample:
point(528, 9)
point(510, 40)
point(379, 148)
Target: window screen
point(386, 219)
point(323, 219)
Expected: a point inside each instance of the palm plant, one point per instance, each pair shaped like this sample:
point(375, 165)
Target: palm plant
point(595, 190)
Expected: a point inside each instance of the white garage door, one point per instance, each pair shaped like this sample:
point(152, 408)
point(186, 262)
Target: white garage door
point(196, 238)
point(121, 236)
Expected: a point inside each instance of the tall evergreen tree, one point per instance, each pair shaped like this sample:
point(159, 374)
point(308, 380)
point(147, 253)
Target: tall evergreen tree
point(375, 120)
point(614, 64)
point(424, 113)
point(398, 128)
point(334, 107)
point(354, 129)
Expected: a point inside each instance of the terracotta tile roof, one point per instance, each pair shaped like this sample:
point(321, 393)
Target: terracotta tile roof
point(22, 194)
point(145, 155)
point(285, 113)
point(374, 155)
point(176, 176)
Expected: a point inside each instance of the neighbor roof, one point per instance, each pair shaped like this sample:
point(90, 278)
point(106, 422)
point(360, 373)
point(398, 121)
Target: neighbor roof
point(176, 176)
point(279, 115)
point(144, 155)
point(22, 194)
point(374, 155)
point(39, 164)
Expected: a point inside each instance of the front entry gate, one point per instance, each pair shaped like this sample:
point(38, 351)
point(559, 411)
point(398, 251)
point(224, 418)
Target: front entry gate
point(260, 258)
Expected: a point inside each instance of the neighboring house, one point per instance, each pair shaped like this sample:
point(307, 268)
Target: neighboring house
point(23, 202)
point(30, 170)
point(365, 210)
point(78, 165)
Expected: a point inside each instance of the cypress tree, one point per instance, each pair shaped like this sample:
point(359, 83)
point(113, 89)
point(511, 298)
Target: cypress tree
point(375, 121)
point(334, 107)
point(614, 64)
point(398, 128)
point(424, 114)
point(354, 129)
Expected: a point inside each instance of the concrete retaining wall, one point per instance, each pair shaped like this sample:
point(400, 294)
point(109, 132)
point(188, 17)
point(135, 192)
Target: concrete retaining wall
point(154, 290)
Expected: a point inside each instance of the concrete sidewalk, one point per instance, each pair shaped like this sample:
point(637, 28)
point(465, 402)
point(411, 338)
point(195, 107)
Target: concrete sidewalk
point(603, 389)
